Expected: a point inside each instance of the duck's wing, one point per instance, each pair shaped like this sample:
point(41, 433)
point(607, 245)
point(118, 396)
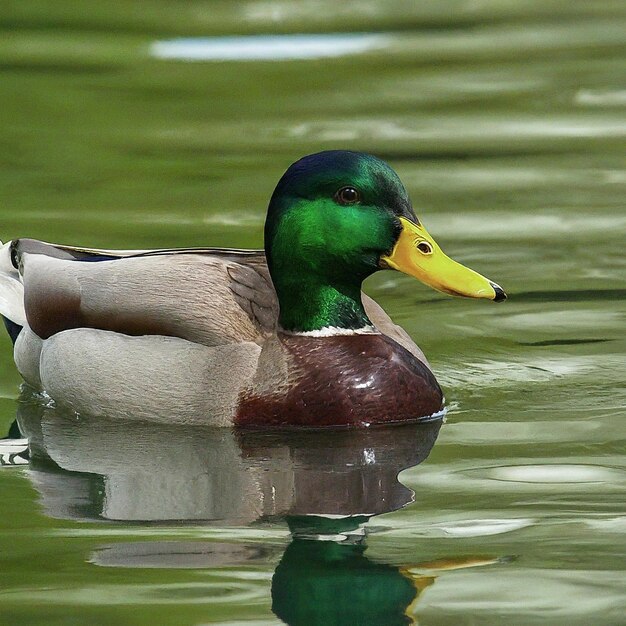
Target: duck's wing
point(209, 296)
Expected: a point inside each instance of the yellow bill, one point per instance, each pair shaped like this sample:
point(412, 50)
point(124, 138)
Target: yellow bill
point(417, 254)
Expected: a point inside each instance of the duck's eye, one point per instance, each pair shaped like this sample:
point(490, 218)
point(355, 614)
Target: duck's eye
point(347, 195)
point(424, 247)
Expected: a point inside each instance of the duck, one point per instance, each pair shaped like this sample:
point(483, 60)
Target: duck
point(273, 338)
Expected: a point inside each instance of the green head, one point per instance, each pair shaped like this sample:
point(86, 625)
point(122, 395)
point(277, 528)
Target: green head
point(331, 218)
point(335, 218)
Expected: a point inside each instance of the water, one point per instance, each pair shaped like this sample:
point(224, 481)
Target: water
point(506, 122)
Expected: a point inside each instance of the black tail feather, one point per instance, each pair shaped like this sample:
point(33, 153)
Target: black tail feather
point(12, 328)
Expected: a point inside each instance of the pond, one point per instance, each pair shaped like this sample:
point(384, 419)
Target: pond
point(168, 124)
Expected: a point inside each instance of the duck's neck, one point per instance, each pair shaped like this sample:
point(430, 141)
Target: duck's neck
point(309, 305)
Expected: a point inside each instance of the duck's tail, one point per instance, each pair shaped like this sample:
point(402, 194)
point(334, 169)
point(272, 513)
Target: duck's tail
point(11, 294)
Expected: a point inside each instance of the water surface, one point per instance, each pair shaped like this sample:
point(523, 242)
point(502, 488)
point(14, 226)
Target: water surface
point(506, 122)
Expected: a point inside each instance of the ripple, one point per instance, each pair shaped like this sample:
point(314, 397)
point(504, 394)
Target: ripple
point(562, 342)
point(483, 527)
point(485, 225)
point(210, 592)
point(608, 98)
point(234, 219)
point(552, 474)
point(538, 369)
point(457, 527)
point(595, 475)
point(244, 219)
point(567, 596)
point(458, 130)
point(562, 319)
point(495, 372)
point(515, 432)
point(267, 47)
point(608, 525)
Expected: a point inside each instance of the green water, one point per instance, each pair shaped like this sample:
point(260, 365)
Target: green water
point(506, 122)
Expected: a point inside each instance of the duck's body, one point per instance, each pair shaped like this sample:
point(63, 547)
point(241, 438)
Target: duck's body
point(198, 335)
point(189, 335)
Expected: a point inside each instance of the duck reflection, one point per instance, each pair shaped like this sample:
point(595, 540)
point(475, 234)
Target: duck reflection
point(334, 583)
point(324, 484)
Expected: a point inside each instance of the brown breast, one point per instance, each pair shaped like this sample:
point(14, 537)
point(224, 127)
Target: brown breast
point(345, 380)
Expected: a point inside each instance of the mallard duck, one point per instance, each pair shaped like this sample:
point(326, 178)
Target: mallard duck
point(245, 337)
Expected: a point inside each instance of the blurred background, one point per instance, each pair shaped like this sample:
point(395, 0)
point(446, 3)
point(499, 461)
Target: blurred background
point(166, 123)
point(506, 109)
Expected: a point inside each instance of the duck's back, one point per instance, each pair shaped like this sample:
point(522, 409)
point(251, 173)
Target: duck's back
point(210, 297)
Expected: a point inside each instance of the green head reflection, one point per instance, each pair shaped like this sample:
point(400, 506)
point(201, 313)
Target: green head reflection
point(333, 583)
